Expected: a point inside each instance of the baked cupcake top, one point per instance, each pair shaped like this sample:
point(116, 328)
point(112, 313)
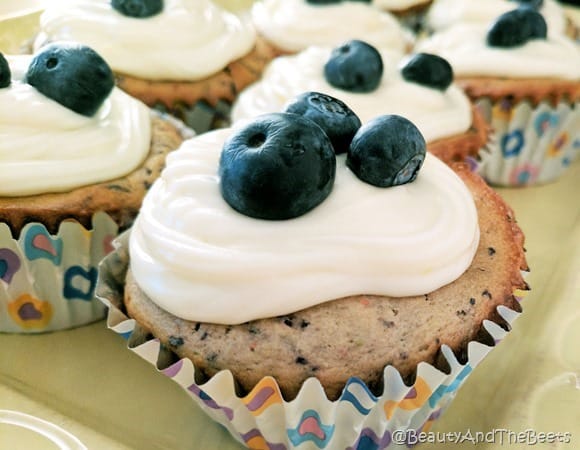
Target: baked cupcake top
point(53, 143)
point(445, 13)
point(435, 111)
point(293, 25)
point(515, 45)
point(181, 40)
point(201, 259)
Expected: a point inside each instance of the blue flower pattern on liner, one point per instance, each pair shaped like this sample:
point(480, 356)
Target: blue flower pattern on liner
point(70, 292)
point(39, 244)
point(512, 143)
point(311, 428)
point(544, 122)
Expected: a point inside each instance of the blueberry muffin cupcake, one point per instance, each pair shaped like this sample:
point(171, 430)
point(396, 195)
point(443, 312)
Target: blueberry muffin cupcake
point(419, 87)
point(188, 57)
point(382, 263)
point(445, 13)
point(294, 25)
point(527, 82)
point(77, 157)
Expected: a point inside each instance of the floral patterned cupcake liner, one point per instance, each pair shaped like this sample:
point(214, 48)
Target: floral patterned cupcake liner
point(47, 282)
point(531, 145)
point(262, 419)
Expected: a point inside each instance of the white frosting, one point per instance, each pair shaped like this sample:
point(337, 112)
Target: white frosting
point(46, 147)
point(188, 40)
point(464, 46)
point(397, 5)
point(436, 113)
point(201, 260)
point(444, 13)
point(293, 25)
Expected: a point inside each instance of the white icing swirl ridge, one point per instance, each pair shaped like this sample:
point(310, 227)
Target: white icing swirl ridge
point(288, 76)
point(198, 259)
point(445, 13)
point(293, 25)
point(46, 147)
point(464, 46)
point(188, 40)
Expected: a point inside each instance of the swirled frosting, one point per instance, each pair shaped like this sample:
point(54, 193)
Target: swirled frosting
point(188, 40)
point(444, 13)
point(436, 113)
point(293, 25)
point(201, 260)
point(464, 46)
point(45, 147)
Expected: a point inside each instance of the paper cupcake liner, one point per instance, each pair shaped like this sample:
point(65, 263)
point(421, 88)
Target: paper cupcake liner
point(531, 145)
point(201, 116)
point(47, 282)
point(264, 420)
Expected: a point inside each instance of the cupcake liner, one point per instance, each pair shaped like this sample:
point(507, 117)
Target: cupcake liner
point(531, 145)
point(47, 282)
point(262, 419)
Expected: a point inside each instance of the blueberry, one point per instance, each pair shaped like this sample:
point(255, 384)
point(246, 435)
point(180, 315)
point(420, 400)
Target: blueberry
point(337, 120)
point(277, 167)
point(4, 72)
point(428, 70)
point(387, 151)
point(73, 75)
point(354, 66)
point(516, 27)
point(138, 8)
point(537, 4)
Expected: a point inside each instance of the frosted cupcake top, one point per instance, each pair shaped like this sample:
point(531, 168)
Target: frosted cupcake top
point(445, 13)
point(47, 147)
point(199, 259)
point(186, 40)
point(437, 113)
point(464, 46)
point(293, 25)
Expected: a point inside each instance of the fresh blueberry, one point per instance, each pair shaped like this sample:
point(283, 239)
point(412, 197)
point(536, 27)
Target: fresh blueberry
point(138, 8)
point(537, 4)
point(387, 151)
point(429, 70)
point(73, 75)
point(337, 120)
point(277, 167)
point(4, 72)
point(354, 66)
point(516, 27)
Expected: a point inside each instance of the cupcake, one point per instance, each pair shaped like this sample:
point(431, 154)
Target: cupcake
point(445, 13)
point(77, 157)
point(293, 25)
point(187, 57)
point(419, 87)
point(409, 12)
point(303, 297)
point(527, 83)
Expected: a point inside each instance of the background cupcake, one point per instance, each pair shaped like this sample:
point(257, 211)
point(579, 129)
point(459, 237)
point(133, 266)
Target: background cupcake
point(527, 83)
point(293, 25)
point(190, 57)
point(77, 157)
point(445, 13)
point(288, 369)
point(418, 87)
